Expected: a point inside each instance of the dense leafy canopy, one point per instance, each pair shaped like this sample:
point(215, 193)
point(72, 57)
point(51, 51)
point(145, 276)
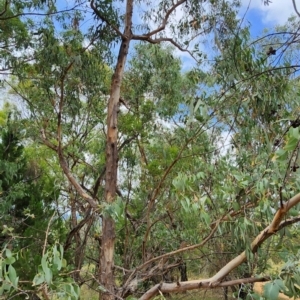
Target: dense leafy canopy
point(124, 175)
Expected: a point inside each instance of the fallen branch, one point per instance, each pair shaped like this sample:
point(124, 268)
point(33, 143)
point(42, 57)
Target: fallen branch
point(194, 285)
point(277, 224)
point(167, 255)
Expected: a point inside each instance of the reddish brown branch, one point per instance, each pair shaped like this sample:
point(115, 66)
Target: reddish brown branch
point(163, 39)
point(165, 20)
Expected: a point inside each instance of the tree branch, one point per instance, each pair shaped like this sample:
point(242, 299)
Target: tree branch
point(295, 7)
point(165, 20)
point(104, 19)
point(76, 229)
point(215, 281)
point(275, 225)
point(62, 160)
point(163, 39)
point(169, 254)
point(5, 8)
point(195, 284)
point(38, 14)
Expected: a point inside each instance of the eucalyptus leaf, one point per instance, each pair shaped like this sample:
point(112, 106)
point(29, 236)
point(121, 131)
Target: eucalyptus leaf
point(271, 291)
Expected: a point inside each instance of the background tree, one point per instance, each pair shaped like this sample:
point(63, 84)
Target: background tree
point(27, 193)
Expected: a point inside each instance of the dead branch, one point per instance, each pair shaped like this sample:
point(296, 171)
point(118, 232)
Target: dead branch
point(195, 284)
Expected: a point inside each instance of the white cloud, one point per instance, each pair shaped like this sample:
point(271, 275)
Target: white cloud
point(277, 12)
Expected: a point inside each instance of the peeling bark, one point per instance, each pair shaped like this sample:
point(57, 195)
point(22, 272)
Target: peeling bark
point(106, 276)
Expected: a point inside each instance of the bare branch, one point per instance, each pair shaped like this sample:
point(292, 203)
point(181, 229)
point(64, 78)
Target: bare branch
point(295, 7)
point(165, 20)
point(195, 284)
point(163, 39)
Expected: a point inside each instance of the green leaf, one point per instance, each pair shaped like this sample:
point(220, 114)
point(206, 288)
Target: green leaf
point(280, 284)
point(6, 286)
point(236, 206)
point(206, 217)
point(253, 296)
point(48, 276)
point(61, 248)
point(64, 263)
point(9, 261)
point(1, 290)
point(45, 263)
point(297, 278)
point(294, 132)
point(291, 144)
point(200, 175)
point(8, 253)
point(57, 258)
point(38, 279)
point(13, 276)
point(271, 291)
point(76, 290)
point(281, 154)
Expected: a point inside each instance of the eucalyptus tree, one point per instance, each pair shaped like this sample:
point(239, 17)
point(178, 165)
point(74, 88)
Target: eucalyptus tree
point(156, 27)
point(175, 189)
point(64, 71)
point(256, 106)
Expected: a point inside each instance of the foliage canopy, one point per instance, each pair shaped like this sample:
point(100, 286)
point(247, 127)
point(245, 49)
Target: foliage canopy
point(126, 174)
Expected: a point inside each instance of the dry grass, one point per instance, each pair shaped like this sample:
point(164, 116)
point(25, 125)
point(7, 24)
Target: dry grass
point(216, 294)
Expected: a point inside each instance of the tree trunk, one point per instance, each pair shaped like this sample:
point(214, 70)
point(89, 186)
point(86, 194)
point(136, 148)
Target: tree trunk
point(106, 276)
point(183, 271)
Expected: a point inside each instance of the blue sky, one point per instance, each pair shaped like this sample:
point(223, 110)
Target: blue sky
point(261, 16)
point(258, 15)
point(276, 13)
